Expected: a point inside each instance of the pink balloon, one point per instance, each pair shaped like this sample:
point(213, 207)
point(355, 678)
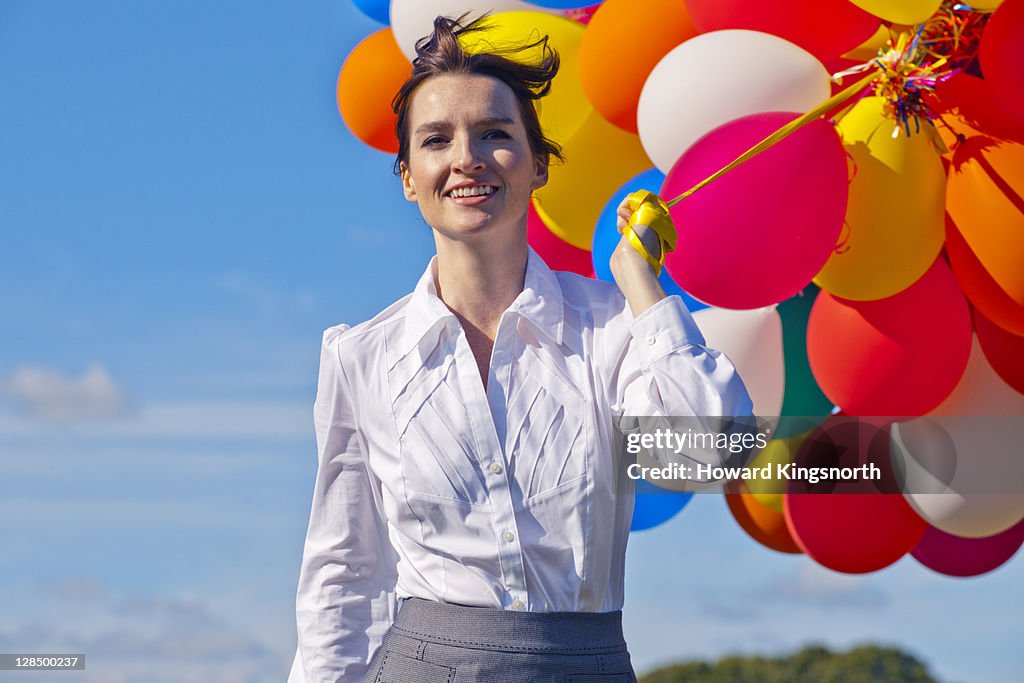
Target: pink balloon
point(759, 233)
point(556, 252)
point(959, 556)
point(901, 355)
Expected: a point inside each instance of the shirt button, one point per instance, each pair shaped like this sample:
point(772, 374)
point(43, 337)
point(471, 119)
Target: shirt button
point(496, 468)
point(651, 340)
point(517, 604)
point(509, 536)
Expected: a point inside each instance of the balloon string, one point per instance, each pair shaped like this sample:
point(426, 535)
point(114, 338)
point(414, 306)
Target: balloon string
point(784, 132)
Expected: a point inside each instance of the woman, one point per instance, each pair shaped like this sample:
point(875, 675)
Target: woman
point(465, 433)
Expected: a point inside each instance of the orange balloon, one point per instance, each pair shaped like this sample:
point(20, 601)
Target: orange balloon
point(617, 53)
point(982, 291)
point(983, 197)
point(763, 524)
point(372, 74)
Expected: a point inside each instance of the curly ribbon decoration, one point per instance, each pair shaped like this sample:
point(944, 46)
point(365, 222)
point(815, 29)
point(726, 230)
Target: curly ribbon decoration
point(649, 209)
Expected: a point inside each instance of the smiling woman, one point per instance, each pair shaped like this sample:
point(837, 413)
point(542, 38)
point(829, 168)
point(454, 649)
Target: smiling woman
point(470, 515)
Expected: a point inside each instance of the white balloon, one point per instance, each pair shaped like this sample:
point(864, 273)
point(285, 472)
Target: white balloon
point(414, 19)
point(985, 493)
point(719, 76)
point(752, 340)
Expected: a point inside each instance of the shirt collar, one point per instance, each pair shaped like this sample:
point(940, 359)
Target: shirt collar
point(540, 302)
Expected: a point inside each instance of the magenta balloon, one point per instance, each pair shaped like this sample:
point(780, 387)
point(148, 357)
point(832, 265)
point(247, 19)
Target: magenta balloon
point(759, 233)
point(959, 556)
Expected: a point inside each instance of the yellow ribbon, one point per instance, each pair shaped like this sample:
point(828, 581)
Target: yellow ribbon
point(649, 209)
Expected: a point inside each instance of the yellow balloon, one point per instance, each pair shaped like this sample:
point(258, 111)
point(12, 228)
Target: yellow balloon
point(903, 11)
point(600, 157)
point(895, 216)
point(769, 492)
point(985, 4)
point(565, 108)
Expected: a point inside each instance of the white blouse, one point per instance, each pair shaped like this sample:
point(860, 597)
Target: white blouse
point(430, 486)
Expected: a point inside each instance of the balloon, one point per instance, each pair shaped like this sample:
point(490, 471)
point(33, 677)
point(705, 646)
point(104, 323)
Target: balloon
point(562, 4)
point(565, 109)
point(414, 19)
point(759, 233)
point(849, 527)
point(982, 417)
point(896, 356)
point(958, 556)
point(902, 12)
point(375, 9)
point(803, 400)
point(600, 157)
point(716, 77)
point(559, 255)
point(1002, 44)
point(606, 236)
point(762, 523)
point(752, 340)
point(769, 492)
point(986, 182)
point(895, 212)
point(614, 64)
point(371, 75)
point(654, 505)
point(979, 286)
point(1003, 350)
point(971, 99)
point(825, 28)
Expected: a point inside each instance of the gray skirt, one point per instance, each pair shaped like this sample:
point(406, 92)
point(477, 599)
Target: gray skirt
point(433, 642)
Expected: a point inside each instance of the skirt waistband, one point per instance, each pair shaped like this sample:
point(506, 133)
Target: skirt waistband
point(492, 628)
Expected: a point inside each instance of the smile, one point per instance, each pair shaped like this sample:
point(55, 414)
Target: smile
point(475, 191)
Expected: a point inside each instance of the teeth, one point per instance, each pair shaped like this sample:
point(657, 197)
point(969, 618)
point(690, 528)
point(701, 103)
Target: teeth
point(472, 191)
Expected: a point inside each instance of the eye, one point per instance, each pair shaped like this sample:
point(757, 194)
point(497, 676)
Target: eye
point(499, 133)
point(434, 141)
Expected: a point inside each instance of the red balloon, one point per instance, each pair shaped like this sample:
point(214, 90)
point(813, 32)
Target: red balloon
point(1003, 350)
point(556, 252)
point(959, 556)
point(982, 290)
point(759, 233)
point(825, 28)
point(971, 98)
point(1002, 44)
point(850, 527)
point(901, 355)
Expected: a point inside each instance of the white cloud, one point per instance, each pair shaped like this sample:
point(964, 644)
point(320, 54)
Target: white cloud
point(47, 395)
point(129, 637)
point(183, 420)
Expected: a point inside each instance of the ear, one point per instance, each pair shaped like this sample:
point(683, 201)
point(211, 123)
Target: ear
point(408, 187)
point(540, 171)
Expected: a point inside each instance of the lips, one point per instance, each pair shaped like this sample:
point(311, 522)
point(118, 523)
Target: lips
point(472, 200)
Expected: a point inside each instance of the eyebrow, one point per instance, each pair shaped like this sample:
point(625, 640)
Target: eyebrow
point(490, 121)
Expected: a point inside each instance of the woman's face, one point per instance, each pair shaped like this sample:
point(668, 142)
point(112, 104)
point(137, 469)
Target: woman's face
point(466, 131)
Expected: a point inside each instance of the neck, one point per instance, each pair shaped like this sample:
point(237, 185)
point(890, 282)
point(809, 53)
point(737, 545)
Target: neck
point(477, 282)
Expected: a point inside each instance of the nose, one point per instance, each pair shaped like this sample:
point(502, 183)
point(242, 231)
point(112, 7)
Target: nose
point(466, 156)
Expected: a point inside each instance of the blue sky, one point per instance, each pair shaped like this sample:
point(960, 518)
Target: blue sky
point(182, 212)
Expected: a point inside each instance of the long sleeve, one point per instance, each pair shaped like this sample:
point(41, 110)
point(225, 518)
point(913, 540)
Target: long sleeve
point(346, 593)
point(662, 368)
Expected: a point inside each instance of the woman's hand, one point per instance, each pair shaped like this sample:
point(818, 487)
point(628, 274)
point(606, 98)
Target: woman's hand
point(633, 274)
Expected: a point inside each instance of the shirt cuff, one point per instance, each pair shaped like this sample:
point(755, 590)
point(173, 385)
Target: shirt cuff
point(664, 328)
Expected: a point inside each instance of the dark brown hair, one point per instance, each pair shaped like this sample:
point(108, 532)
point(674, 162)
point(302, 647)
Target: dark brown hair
point(441, 53)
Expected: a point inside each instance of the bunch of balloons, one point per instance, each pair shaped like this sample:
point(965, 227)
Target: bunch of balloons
point(868, 262)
